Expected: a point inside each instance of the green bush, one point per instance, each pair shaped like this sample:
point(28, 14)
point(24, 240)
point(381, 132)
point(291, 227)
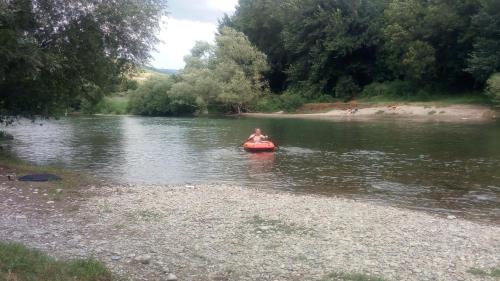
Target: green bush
point(392, 89)
point(291, 102)
point(268, 103)
point(493, 88)
point(155, 98)
point(272, 103)
point(346, 88)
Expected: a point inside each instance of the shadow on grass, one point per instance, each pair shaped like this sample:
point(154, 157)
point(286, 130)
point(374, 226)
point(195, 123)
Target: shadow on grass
point(18, 263)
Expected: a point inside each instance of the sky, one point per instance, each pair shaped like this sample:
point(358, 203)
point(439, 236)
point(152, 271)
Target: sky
point(188, 21)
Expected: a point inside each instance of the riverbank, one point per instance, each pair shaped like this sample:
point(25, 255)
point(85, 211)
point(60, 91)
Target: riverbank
point(407, 111)
point(235, 233)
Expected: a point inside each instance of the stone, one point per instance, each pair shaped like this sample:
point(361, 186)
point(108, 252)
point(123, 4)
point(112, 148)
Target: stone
point(171, 277)
point(116, 258)
point(451, 217)
point(144, 259)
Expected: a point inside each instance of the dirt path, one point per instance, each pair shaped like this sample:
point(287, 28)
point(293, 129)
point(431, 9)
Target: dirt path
point(414, 112)
point(235, 233)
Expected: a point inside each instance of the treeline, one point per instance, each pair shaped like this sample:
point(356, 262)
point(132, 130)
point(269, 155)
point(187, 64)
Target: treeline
point(338, 48)
point(326, 50)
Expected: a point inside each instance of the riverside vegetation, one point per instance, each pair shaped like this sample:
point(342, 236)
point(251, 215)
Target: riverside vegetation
point(282, 54)
point(269, 56)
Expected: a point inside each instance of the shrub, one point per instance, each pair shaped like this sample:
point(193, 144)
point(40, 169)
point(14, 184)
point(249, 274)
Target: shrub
point(154, 98)
point(346, 88)
point(392, 89)
point(268, 103)
point(291, 102)
point(493, 88)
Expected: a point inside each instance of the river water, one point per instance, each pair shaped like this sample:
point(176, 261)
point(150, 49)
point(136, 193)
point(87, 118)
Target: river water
point(448, 168)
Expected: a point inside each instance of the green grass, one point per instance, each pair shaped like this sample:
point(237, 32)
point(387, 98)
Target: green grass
point(339, 276)
point(442, 100)
point(18, 263)
point(492, 272)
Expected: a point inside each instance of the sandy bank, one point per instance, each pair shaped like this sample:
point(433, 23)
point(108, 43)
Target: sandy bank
point(234, 233)
point(347, 112)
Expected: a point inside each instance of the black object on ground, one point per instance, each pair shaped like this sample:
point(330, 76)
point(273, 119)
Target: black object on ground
point(40, 177)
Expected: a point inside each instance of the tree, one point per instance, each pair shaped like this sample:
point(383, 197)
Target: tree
point(428, 41)
point(485, 57)
point(262, 22)
point(53, 51)
point(326, 40)
point(493, 88)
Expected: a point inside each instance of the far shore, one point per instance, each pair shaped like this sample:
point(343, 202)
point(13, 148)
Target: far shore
point(392, 111)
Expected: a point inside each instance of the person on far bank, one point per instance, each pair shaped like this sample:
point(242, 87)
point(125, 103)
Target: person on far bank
point(257, 136)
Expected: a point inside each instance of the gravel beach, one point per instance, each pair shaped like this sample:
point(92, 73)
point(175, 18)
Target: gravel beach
point(235, 233)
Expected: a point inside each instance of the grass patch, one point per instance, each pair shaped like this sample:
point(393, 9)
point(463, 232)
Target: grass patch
point(431, 112)
point(492, 272)
point(144, 215)
point(380, 112)
point(339, 276)
point(18, 263)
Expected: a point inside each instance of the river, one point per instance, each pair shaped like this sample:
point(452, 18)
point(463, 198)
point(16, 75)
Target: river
point(446, 168)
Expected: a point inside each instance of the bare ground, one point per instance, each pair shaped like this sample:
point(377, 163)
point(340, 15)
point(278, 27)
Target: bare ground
point(368, 112)
point(236, 233)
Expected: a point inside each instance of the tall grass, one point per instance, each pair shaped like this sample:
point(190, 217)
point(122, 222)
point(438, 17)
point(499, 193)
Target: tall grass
point(18, 263)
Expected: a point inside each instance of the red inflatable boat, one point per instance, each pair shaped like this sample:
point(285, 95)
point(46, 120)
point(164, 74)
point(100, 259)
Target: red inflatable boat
point(264, 146)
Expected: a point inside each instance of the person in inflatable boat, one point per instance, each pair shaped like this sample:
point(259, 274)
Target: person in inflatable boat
point(257, 136)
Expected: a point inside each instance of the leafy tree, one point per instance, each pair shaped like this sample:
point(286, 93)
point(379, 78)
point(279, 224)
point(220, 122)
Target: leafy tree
point(54, 51)
point(263, 22)
point(428, 41)
point(493, 88)
point(485, 57)
point(326, 40)
point(156, 98)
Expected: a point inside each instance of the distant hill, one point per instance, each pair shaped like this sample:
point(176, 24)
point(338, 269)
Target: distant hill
point(162, 70)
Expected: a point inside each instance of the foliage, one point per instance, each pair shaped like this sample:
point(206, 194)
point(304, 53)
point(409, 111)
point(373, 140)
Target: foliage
point(272, 103)
point(226, 77)
point(485, 57)
point(54, 51)
point(156, 98)
point(20, 263)
point(493, 88)
point(262, 22)
point(314, 46)
point(346, 88)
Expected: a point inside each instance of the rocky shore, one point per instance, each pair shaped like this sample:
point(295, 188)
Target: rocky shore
point(235, 233)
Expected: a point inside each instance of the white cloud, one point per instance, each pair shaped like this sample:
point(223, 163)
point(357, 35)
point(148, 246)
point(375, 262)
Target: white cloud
point(178, 38)
point(190, 21)
point(227, 6)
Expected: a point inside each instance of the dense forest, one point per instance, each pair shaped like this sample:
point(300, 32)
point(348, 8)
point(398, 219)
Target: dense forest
point(324, 50)
point(270, 55)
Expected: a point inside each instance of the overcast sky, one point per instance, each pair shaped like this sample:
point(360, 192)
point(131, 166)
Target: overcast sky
point(188, 22)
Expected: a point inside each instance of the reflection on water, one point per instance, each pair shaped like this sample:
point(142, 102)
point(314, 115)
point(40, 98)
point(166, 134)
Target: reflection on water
point(440, 167)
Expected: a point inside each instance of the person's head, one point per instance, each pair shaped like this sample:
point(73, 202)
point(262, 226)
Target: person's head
point(258, 132)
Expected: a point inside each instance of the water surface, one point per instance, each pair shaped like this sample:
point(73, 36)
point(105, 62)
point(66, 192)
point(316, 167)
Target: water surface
point(439, 167)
